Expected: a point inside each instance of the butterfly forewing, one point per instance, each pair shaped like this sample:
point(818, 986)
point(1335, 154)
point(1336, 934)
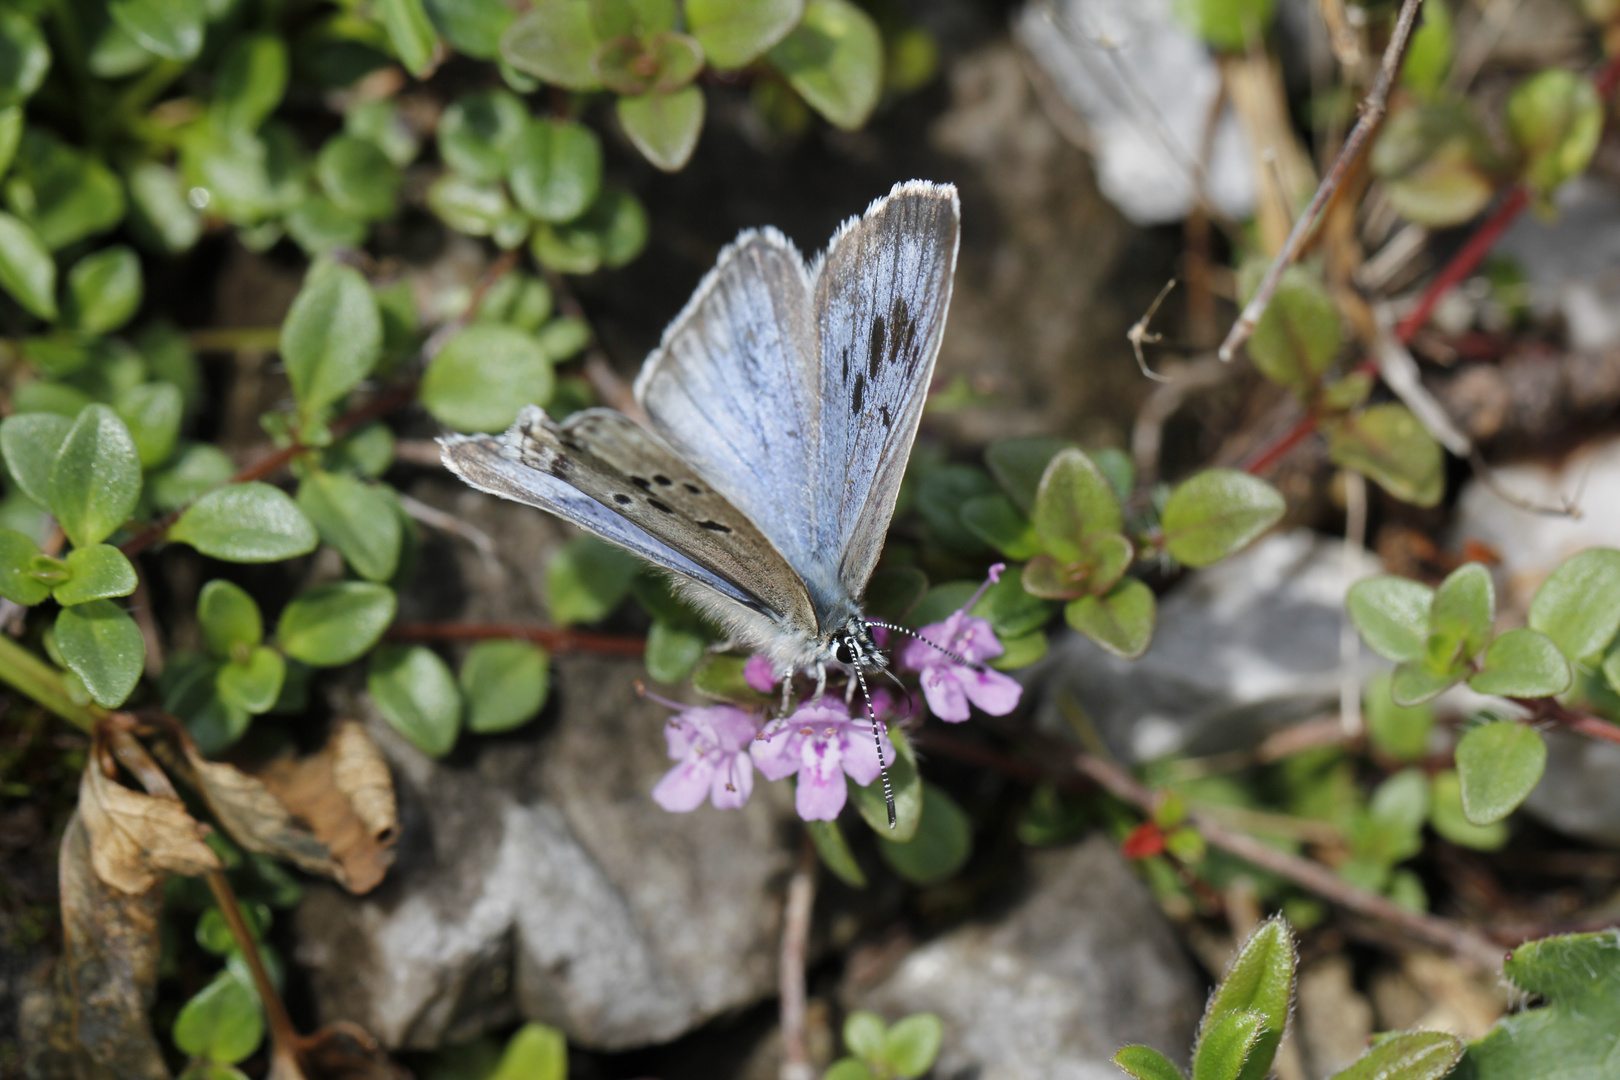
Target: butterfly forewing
point(483, 462)
point(881, 293)
point(603, 454)
point(733, 390)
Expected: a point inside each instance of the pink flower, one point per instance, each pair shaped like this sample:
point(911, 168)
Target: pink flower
point(759, 674)
point(822, 744)
point(948, 685)
point(712, 747)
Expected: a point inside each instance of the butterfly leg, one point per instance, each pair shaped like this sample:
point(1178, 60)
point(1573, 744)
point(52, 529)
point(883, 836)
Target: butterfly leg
point(787, 692)
point(821, 680)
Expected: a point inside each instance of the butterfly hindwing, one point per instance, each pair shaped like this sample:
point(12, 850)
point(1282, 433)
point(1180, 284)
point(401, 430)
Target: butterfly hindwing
point(881, 293)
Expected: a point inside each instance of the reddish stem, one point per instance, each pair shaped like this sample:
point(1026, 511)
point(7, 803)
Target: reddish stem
point(551, 638)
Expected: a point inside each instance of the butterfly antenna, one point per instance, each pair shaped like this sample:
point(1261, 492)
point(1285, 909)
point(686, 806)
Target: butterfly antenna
point(964, 661)
point(877, 741)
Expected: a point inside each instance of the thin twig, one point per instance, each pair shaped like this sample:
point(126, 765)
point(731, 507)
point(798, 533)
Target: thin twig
point(1464, 943)
point(1580, 723)
point(554, 639)
point(1138, 333)
point(1373, 108)
point(801, 899)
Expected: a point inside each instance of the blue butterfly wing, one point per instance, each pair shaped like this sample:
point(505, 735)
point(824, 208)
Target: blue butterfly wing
point(880, 295)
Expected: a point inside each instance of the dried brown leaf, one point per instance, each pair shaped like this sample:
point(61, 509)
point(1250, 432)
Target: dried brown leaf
point(344, 795)
point(345, 1052)
point(136, 838)
point(255, 818)
point(107, 975)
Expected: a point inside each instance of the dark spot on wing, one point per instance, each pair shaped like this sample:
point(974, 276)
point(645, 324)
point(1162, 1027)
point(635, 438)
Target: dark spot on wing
point(621, 498)
point(874, 351)
point(843, 356)
point(660, 507)
point(714, 526)
point(571, 444)
point(661, 480)
point(641, 482)
point(860, 392)
point(905, 333)
point(691, 488)
point(888, 418)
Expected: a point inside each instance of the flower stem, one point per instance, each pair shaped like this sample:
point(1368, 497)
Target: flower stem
point(39, 680)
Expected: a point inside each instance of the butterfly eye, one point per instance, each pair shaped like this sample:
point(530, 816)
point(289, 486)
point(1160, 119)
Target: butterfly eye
point(843, 651)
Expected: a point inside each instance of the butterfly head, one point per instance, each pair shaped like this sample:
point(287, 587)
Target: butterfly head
point(853, 647)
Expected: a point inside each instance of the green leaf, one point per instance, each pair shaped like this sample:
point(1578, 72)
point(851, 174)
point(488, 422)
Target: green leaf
point(1074, 501)
point(96, 478)
point(1410, 1055)
point(252, 81)
point(30, 443)
point(535, 1052)
point(563, 337)
point(907, 786)
point(198, 468)
point(63, 193)
point(474, 207)
point(1019, 464)
point(253, 684)
point(334, 624)
point(1146, 1063)
point(864, 1032)
point(1415, 682)
point(1388, 444)
point(1575, 1034)
point(357, 518)
point(416, 693)
point(104, 290)
point(554, 41)
point(1447, 817)
point(912, 1044)
point(24, 59)
point(224, 1022)
point(673, 651)
point(11, 129)
point(1523, 664)
point(504, 684)
point(735, 33)
point(1556, 118)
point(997, 521)
point(173, 29)
point(587, 579)
point(1012, 611)
point(484, 376)
point(1227, 24)
point(1228, 1045)
point(477, 132)
point(665, 126)
point(246, 523)
point(1218, 512)
point(27, 270)
point(848, 1069)
point(1499, 764)
point(1462, 610)
point(1121, 621)
point(834, 59)
point(1400, 731)
point(153, 412)
point(472, 27)
point(99, 572)
point(101, 644)
point(163, 218)
point(410, 32)
point(332, 336)
point(228, 617)
point(17, 581)
point(1259, 980)
point(1392, 614)
point(554, 168)
point(358, 177)
point(1578, 606)
point(1298, 335)
point(1022, 651)
point(1428, 57)
point(941, 844)
point(834, 851)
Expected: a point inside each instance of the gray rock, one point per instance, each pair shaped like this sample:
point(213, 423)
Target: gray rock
point(1081, 966)
point(1239, 650)
point(540, 880)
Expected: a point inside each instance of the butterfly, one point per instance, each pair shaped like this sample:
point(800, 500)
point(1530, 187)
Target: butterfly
point(781, 409)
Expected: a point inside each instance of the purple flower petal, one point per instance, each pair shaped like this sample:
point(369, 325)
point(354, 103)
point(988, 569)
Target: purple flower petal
point(995, 693)
point(759, 674)
point(733, 728)
point(860, 757)
point(821, 791)
point(776, 750)
point(685, 786)
point(733, 782)
point(942, 686)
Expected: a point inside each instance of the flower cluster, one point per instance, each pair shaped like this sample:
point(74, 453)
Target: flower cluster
point(716, 748)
